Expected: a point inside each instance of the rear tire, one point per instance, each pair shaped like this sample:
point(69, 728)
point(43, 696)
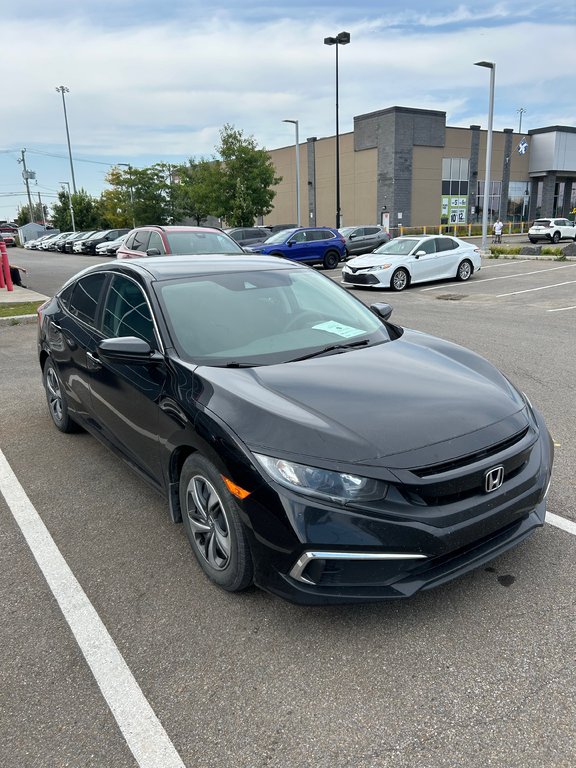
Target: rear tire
point(556, 237)
point(57, 403)
point(533, 240)
point(465, 270)
point(212, 522)
point(331, 259)
point(400, 280)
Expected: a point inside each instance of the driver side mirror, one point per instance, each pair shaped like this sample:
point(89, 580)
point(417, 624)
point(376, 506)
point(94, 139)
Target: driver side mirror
point(420, 253)
point(383, 311)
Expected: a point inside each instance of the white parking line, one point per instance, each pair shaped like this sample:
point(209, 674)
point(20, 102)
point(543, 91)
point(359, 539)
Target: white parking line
point(561, 309)
point(476, 281)
point(561, 522)
point(143, 732)
point(531, 290)
point(504, 264)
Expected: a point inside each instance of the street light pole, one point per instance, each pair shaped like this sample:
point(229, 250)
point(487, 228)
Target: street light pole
point(487, 181)
point(295, 123)
point(66, 184)
point(520, 112)
point(62, 89)
point(343, 38)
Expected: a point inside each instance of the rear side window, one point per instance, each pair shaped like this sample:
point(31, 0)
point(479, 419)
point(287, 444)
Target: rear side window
point(83, 300)
point(140, 242)
point(324, 234)
point(446, 244)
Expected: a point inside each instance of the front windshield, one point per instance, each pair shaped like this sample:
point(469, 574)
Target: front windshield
point(399, 246)
point(97, 235)
point(279, 237)
point(187, 243)
point(346, 230)
point(263, 317)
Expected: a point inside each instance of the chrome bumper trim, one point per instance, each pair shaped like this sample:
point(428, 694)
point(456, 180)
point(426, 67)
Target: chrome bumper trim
point(297, 571)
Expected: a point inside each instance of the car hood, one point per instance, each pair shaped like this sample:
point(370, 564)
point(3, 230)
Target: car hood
point(374, 259)
point(408, 402)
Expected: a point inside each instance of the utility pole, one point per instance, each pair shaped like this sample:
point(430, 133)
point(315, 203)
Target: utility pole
point(42, 211)
point(62, 89)
point(26, 175)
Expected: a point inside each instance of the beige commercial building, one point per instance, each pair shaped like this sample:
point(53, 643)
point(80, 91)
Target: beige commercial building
point(405, 167)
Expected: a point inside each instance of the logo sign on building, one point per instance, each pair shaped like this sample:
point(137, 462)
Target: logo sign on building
point(522, 147)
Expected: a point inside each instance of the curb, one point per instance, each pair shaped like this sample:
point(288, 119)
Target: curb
point(18, 320)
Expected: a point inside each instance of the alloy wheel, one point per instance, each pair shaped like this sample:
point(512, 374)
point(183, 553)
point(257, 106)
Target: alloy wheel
point(208, 522)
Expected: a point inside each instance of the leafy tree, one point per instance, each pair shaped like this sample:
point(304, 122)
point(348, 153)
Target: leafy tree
point(24, 214)
point(244, 179)
point(194, 188)
point(87, 213)
point(138, 196)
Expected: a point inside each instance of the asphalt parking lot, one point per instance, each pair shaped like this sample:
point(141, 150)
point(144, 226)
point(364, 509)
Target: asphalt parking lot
point(476, 673)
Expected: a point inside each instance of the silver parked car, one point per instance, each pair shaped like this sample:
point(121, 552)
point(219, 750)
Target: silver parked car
point(364, 239)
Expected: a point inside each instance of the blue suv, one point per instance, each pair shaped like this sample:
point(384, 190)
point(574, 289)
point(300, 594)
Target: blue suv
point(314, 245)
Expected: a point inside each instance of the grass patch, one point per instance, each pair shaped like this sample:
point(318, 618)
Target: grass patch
point(547, 251)
point(499, 250)
point(19, 308)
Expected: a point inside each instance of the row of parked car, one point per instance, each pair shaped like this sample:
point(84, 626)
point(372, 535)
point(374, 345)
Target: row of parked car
point(103, 242)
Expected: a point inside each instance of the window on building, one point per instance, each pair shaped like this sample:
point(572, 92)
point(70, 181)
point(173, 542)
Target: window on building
point(558, 209)
point(454, 190)
point(493, 200)
point(518, 200)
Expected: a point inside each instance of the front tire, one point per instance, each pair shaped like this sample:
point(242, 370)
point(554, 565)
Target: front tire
point(212, 522)
point(57, 403)
point(465, 270)
point(331, 259)
point(400, 280)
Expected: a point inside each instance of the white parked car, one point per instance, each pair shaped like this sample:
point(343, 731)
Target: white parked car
point(414, 259)
point(552, 230)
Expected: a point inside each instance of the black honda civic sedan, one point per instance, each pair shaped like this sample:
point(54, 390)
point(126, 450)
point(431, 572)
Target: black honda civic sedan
point(309, 445)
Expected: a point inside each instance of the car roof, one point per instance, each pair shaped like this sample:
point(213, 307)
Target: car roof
point(175, 267)
point(179, 228)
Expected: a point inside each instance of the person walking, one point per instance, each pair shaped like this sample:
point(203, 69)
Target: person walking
point(498, 227)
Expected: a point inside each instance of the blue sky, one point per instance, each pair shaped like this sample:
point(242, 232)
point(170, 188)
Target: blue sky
point(152, 82)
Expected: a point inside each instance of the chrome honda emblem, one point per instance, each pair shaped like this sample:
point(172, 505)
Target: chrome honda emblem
point(493, 479)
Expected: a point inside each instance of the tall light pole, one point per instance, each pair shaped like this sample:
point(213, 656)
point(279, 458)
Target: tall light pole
point(295, 123)
point(343, 38)
point(66, 184)
point(487, 181)
point(127, 165)
point(520, 112)
point(62, 89)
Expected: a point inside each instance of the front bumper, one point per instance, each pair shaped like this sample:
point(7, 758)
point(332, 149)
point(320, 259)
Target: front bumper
point(325, 554)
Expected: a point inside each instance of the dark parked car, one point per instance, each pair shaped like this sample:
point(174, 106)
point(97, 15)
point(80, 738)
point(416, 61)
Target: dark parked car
point(107, 235)
point(248, 235)
point(363, 239)
point(312, 245)
point(308, 444)
point(68, 243)
point(55, 244)
point(167, 241)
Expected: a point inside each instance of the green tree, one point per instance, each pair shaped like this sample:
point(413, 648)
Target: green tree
point(23, 216)
point(194, 188)
point(138, 196)
point(243, 179)
point(87, 213)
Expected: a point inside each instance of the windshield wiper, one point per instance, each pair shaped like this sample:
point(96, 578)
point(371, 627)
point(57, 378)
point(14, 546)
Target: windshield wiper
point(332, 348)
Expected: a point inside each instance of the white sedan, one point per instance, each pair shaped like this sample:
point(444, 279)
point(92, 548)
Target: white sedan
point(418, 259)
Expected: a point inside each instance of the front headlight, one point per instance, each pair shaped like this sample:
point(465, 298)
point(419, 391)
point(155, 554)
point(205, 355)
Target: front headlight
point(340, 487)
point(380, 266)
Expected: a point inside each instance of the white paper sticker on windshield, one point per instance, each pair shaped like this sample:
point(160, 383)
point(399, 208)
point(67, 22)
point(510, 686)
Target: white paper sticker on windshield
point(345, 331)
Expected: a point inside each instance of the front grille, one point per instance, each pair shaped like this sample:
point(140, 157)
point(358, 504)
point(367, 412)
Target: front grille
point(472, 458)
point(360, 279)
